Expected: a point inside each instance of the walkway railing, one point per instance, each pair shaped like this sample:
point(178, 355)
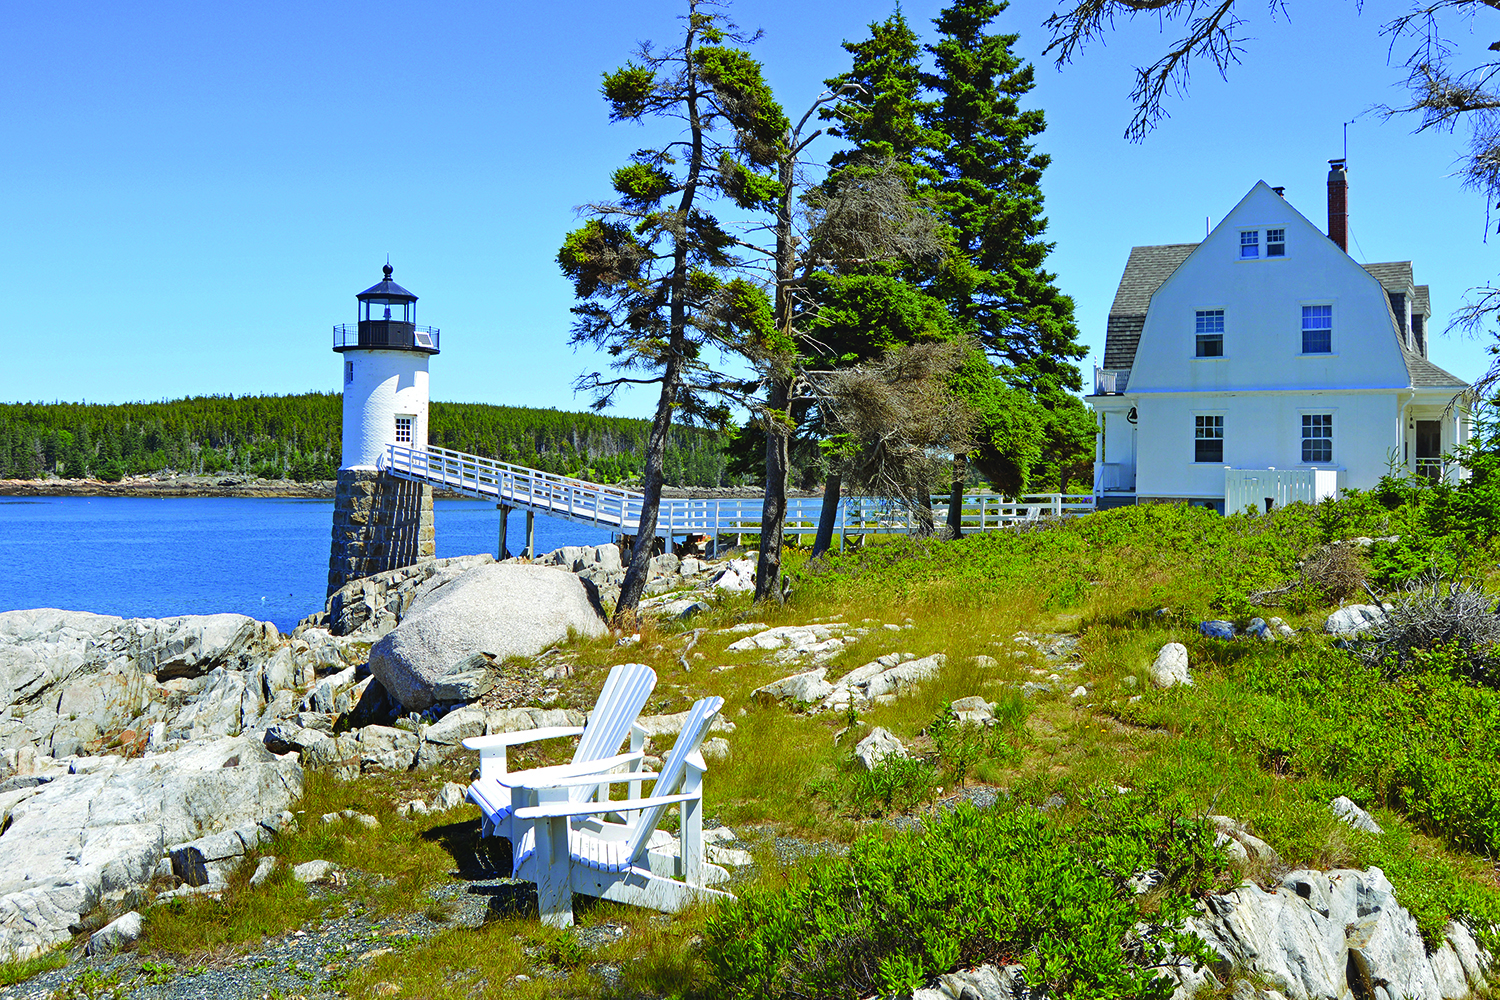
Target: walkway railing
point(619, 510)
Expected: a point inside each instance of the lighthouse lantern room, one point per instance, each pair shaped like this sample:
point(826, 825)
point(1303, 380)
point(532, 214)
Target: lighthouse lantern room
point(385, 374)
point(381, 522)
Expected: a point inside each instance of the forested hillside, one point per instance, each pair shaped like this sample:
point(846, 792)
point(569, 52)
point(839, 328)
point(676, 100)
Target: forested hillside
point(298, 437)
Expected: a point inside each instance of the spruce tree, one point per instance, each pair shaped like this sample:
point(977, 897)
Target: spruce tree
point(989, 191)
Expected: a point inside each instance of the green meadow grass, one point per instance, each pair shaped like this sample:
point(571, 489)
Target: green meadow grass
point(1267, 734)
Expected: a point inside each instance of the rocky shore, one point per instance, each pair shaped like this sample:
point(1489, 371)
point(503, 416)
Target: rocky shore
point(146, 760)
point(169, 486)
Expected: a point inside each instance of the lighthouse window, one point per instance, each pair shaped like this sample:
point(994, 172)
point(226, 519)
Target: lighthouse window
point(348, 372)
point(403, 430)
point(381, 310)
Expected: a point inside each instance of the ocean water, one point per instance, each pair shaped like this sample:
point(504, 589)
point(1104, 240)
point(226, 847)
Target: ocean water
point(153, 558)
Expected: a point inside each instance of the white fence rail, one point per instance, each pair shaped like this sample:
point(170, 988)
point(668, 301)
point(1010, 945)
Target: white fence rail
point(1255, 488)
point(619, 510)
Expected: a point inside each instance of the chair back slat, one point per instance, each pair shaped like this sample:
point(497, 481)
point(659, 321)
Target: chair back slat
point(674, 769)
point(624, 695)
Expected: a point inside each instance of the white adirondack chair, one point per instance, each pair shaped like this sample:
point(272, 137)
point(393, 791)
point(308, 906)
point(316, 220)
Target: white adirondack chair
point(620, 702)
point(565, 846)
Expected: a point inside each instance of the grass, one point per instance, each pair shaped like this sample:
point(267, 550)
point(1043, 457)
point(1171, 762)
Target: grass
point(1267, 734)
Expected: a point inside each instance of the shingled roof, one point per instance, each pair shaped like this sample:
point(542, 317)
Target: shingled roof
point(1149, 267)
point(1394, 276)
point(1144, 273)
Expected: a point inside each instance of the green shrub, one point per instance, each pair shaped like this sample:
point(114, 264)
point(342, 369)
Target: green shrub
point(896, 784)
point(1011, 884)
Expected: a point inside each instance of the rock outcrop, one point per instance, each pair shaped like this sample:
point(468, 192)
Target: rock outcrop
point(1336, 934)
point(503, 609)
point(102, 825)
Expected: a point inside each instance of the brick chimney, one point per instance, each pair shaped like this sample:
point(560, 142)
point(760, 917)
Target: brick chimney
point(1338, 204)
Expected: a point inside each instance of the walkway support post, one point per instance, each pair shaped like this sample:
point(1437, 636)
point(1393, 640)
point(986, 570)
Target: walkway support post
point(531, 534)
point(504, 519)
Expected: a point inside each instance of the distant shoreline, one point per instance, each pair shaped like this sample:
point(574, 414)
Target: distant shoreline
point(175, 486)
point(246, 486)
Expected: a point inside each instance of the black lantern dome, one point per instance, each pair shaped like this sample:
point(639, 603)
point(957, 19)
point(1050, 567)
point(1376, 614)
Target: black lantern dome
point(387, 321)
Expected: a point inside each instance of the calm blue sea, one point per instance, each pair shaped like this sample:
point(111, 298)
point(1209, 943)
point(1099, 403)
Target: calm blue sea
point(151, 558)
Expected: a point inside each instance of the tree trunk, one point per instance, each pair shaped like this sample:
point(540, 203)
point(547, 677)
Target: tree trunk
point(956, 498)
point(638, 573)
point(773, 515)
point(926, 523)
point(828, 515)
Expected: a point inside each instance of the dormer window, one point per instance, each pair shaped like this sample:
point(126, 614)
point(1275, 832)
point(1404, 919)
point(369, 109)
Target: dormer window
point(1249, 244)
point(1275, 242)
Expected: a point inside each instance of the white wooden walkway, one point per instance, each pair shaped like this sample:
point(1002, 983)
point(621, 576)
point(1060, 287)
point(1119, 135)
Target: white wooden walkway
point(619, 510)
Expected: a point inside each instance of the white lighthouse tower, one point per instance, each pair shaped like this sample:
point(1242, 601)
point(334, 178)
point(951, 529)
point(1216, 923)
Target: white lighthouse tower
point(385, 374)
point(381, 522)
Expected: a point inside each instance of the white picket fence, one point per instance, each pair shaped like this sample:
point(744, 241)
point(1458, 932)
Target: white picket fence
point(619, 510)
point(1255, 488)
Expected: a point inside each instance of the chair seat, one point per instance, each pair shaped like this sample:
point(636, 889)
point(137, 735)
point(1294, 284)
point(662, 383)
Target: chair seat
point(602, 853)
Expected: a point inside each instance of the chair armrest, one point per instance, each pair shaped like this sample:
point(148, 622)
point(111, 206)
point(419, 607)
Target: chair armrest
point(548, 810)
point(520, 736)
point(544, 777)
point(584, 779)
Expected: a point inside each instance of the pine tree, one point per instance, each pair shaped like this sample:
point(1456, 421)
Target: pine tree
point(648, 268)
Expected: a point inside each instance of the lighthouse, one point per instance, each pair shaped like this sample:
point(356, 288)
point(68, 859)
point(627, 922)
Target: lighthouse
point(381, 522)
point(385, 374)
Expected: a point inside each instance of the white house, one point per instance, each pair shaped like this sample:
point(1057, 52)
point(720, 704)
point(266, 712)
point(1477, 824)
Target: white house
point(1264, 365)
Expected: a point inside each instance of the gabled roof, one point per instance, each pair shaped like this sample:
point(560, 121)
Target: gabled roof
point(1149, 267)
point(1144, 273)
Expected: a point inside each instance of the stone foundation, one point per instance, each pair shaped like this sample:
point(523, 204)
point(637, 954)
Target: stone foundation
point(379, 523)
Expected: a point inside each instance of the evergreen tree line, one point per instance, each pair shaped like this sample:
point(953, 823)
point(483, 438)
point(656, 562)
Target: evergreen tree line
point(299, 437)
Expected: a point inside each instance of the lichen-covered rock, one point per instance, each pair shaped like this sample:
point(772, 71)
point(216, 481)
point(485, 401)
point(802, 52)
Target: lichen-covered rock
point(1353, 620)
point(1171, 666)
point(876, 747)
point(503, 609)
point(1344, 808)
point(807, 688)
point(1334, 934)
point(103, 829)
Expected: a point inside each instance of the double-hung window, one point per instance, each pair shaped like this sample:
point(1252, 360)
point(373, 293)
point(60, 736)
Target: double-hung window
point(1317, 329)
point(1317, 437)
point(1208, 438)
point(1275, 242)
point(1249, 244)
point(403, 429)
point(1209, 327)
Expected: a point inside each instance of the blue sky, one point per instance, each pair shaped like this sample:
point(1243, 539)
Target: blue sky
point(192, 193)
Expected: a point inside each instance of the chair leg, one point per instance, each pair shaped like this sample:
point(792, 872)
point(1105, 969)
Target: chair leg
point(691, 842)
point(554, 891)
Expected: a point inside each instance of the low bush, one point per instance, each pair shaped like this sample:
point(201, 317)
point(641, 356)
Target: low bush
point(1426, 743)
point(1438, 623)
point(896, 784)
point(1009, 884)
